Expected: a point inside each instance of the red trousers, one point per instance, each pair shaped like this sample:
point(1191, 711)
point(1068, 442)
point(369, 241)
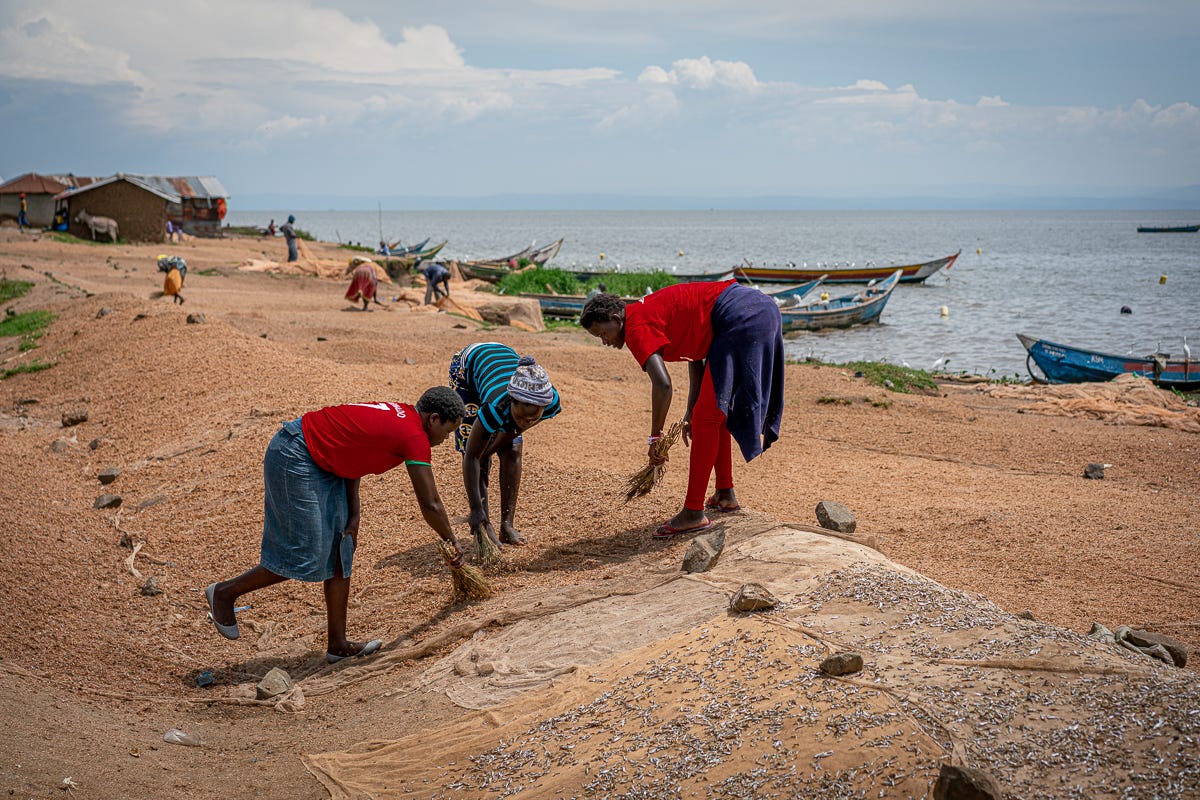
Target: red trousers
point(711, 447)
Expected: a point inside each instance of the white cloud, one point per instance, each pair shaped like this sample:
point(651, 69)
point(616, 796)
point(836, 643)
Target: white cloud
point(703, 73)
point(991, 102)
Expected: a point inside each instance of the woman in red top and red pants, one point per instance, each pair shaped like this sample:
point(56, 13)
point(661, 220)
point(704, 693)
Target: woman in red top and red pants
point(732, 337)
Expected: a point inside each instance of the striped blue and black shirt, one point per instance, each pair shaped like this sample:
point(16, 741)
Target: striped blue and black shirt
point(489, 366)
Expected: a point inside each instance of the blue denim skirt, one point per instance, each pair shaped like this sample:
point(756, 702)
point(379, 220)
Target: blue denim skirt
point(305, 510)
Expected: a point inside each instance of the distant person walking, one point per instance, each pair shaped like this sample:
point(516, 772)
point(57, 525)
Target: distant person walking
point(176, 269)
point(289, 235)
point(271, 228)
point(22, 219)
point(364, 281)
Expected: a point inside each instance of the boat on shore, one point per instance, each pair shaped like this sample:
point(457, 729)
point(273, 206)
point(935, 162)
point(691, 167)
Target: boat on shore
point(571, 305)
point(855, 308)
point(1060, 363)
point(400, 265)
point(790, 273)
point(1169, 229)
point(585, 275)
point(493, 269)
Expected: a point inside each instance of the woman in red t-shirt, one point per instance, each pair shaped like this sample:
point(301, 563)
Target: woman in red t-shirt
point(311, 503)
point(731, 336)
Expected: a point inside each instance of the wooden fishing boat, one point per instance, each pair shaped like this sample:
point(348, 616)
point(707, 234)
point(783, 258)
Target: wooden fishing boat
point(564, 305)
point(856, 308)
point(790, 273)
point(793, 295)
point(493, 269)
point(1169, 229)
point(400, 265)
point(397, 250)
point(585, 275)
point(1060, 363)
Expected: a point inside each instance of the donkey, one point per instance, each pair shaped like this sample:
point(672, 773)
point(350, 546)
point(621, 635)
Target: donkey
point(104, 225)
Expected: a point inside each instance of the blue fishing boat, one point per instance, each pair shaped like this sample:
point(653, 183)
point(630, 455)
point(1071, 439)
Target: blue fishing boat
point(856, 308)
point(1060, 363)
point(571, 305)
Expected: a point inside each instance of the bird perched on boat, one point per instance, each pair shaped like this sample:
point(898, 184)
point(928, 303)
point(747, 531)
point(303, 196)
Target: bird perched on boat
point(1187, 351)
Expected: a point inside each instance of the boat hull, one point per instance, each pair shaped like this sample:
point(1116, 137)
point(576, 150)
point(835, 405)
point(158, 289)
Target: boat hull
point(1176, 229)
point(856, 308)
point(687, 277)
point(912, 273)
point(1064, 364)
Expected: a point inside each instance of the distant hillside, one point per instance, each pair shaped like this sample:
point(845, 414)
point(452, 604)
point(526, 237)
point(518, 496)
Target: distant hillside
point(1179, 198)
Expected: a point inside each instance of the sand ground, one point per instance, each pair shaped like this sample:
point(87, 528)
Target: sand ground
point(963, 487)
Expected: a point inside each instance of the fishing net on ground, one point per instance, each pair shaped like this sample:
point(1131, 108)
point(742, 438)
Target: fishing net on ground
point(1125, 400)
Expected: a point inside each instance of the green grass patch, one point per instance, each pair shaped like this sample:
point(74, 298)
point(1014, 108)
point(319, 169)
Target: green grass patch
point(828, 400)
point(626, 284)
point(209, 272)
point(358, 248)
point(11, 290)
point(30, 326)
point(68, 238)
point(33, 366)
point(893, 377)
point(560, 324)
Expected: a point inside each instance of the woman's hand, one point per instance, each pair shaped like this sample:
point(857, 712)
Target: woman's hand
point(352, 528)
point(653, 457)
point(459, 555)
point(477, 518)
point(686, 433)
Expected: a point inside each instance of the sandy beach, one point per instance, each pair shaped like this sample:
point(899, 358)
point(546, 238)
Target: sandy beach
point(981, 491)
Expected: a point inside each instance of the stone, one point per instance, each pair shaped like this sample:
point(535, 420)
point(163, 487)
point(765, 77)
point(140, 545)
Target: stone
point(1094, 472)
point(752, 597)
point(60, 446)
point(196, 319)
point(835, 517)
point(703, 552)
point(1101, 634)
point(1027, 614)
point(275, 683)
point(965, 783)
point(1150, 639)
point(150, 587)
point(74, 417)
point(844, 663)
point(410, 360)
point(107, 501)
point(103, 312)
point(109, 475)
point(94, 444)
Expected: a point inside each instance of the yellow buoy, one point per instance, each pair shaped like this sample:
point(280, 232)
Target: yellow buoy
point(824, 296)
point(978, 251)
point(1162, 278)
point(602, 256)
point(944, 311)
point(681, 253)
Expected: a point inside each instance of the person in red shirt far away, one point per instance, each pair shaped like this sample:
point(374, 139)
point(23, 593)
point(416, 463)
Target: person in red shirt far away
point(732, 338)
point(311, 504)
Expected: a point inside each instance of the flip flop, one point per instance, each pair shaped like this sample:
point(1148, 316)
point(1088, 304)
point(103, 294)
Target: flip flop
point(711, 506)
point(228, 631)
point(370, 648)
point(666, 531)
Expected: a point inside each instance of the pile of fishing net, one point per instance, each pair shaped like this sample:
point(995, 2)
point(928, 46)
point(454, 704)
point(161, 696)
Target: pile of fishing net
point(1125, 400)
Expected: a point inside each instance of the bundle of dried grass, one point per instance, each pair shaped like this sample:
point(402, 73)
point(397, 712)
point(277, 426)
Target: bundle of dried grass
point(646, 478)
point(487, 552)
point(468, 581)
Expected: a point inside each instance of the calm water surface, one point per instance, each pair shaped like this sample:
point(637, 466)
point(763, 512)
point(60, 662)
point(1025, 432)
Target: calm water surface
point(1062, 276)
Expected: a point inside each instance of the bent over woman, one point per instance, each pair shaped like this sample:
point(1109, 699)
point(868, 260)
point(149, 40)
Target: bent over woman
point(505, 396)
point(732, 337)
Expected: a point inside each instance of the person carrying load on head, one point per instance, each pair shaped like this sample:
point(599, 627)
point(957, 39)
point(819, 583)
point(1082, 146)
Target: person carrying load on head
point(176, 269)
point(505, 396)
point(364, 281)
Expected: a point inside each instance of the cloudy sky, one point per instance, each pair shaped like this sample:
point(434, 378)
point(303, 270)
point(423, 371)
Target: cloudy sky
point(640, 97)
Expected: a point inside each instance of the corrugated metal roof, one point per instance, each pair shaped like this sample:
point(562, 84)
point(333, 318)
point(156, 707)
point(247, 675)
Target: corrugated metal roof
point(33, 183)
point(202, 188)
point(171, 189)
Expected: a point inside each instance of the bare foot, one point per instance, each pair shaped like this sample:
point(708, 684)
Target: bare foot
point(723, 500)
point(509, 535)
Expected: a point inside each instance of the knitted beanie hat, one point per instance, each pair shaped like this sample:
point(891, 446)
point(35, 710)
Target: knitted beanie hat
point(530, 383)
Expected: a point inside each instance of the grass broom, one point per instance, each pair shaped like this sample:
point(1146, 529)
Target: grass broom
point(646, 478)
point(468, 581)
point(487, 552)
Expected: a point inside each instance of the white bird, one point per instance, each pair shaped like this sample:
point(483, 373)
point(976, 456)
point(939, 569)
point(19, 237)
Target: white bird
point(904, 364)
point(1187, 351)
point(938, 363)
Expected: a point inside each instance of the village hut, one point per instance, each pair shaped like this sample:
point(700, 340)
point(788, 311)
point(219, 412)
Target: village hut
point(142, 204)
point(39, 191)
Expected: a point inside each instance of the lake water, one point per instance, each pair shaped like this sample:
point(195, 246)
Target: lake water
point(1062, 276)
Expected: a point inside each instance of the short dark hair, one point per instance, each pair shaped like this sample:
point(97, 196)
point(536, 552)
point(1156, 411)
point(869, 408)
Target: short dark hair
point(443, 401)
point(602, 308)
